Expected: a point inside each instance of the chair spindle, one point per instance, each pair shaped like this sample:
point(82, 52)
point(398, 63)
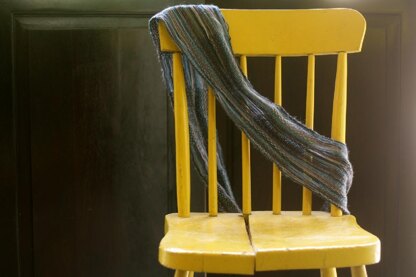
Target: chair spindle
point(245, 157)
point(277, 175)
point(339, 112)
point(183, 175)
point(310, 106)
point(212, 156)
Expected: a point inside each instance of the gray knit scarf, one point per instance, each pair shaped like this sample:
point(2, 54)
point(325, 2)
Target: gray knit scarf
point(306, 157)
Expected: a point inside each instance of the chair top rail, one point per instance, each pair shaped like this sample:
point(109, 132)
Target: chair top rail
point(288, 32)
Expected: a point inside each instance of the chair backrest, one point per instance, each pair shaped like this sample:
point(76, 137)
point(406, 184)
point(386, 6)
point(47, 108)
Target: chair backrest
point(275, 33)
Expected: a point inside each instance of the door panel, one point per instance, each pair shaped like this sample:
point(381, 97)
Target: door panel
point(86, 136)
point(94, 122)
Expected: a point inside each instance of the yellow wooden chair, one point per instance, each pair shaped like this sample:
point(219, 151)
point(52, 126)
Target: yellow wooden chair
point(267, 240)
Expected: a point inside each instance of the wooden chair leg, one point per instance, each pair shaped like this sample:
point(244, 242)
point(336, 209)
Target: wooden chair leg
point(183, 273)
point(329, 272)
point(358, 271)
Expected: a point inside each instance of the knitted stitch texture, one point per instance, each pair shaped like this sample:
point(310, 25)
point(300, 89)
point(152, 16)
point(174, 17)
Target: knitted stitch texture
point(306, 157)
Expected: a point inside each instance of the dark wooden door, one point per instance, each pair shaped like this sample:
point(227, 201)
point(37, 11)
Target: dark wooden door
point(85, 163)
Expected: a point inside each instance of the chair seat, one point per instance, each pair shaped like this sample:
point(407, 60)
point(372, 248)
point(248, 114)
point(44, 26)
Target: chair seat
point(221, 244)
point(294, 241)
point(201, 243)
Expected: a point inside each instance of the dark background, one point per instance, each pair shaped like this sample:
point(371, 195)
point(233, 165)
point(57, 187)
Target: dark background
point(86, 168)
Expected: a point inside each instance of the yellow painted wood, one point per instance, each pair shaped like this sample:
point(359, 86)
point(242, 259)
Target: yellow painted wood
point(212, 156)
point(183, 174)
point(201, 243)
point(310, 109)
point(339, 109)
point(181, 273)
point(294, 241)
point(220, 244)
point(359, 271)
point(306, 201)
point(329, 272)
point(289, 32)
point(340, 100)
point(277, 175)
point(335, 211)
point(245, 157)
point(310, 93)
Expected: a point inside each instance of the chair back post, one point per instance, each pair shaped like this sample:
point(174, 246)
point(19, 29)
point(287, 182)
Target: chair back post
point(180, 106)
point(339, 109)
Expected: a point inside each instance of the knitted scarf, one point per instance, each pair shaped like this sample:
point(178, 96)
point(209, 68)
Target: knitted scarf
point(304, 156)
